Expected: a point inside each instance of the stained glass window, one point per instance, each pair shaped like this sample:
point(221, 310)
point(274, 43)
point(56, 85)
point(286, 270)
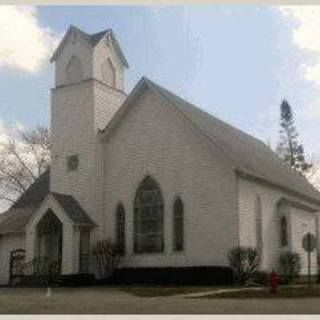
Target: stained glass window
point(148, 217)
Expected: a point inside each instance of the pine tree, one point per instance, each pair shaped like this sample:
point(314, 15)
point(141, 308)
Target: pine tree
point(289, 148)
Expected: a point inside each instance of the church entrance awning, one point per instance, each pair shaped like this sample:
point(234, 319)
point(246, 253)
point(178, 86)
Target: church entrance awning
point(53, 232)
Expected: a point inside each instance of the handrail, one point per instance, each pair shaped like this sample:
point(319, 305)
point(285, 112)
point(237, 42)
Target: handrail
point(42, 266)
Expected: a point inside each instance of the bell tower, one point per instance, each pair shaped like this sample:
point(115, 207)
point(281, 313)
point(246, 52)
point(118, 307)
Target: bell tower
point(89, 82)
point(81, 56)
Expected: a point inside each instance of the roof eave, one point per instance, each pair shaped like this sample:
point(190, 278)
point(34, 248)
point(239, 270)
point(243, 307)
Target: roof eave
point(61, 44)
point(86, 224)
point(119, 51)
point(108, 32)
point(11, 231)
point(64, 40)
point(253, 176)
point(116, 47)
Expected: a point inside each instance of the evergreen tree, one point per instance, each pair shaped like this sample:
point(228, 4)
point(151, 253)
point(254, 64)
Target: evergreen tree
point(288, 147)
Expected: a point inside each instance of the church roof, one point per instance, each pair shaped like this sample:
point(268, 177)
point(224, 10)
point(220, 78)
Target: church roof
point(15, 219)
point(36, 193)
point(96, 37)
point(72, 208)
point(93, 39)
point(249, 156)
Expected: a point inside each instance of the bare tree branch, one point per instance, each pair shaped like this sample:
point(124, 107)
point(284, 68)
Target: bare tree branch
point(24, 155)
point(10, 200)
point(12, 146)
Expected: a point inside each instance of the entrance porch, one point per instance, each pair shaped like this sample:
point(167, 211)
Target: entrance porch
point(58, 237)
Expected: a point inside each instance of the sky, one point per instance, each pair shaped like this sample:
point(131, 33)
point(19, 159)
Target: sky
point(236, 62)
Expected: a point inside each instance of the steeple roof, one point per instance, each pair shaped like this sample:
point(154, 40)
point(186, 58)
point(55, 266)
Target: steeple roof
point(93, 39)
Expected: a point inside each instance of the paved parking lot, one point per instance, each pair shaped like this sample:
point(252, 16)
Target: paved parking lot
point(102, 300)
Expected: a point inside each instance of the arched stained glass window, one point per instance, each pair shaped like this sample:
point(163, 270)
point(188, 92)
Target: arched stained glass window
point(148, 217)
point(120, 228)
point(178, 225)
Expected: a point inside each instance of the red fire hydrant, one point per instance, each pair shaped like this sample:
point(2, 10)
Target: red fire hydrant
point(274, 281)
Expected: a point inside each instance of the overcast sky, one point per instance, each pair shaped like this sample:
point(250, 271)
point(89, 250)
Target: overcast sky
point(236, 62)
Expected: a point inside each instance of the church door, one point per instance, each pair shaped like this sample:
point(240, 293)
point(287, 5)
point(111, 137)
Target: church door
point(49, 235)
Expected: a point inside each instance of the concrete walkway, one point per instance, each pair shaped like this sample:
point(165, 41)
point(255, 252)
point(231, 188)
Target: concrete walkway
point(217, 291)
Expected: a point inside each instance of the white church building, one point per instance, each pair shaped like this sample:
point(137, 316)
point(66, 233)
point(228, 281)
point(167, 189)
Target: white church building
point(171, 184)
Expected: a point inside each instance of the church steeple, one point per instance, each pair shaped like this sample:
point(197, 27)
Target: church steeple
point(89, 81)
point(81, 56)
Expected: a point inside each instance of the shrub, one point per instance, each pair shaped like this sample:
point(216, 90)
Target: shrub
point(261, 278)
point(107, 255)
point(245, 262)
point(290, 266)
point(178, 276)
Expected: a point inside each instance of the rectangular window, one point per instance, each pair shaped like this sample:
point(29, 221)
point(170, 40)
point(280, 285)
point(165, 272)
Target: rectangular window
point(178, 225)
point(120, 229)
point(72, 162)
point(178, 234)
point(84, 254)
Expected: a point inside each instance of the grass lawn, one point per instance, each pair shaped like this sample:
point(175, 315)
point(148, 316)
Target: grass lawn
point(96, 299)
point(155, 300)
point(63, 300)
point(283, 292)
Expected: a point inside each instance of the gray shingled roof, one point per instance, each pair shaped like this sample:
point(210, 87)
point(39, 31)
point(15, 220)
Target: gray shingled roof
point(73, 209)
point(247, 153)
point(96, 37)
point(36, 193)
point(93, 39)
point(15, 219)
point(18, 215)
